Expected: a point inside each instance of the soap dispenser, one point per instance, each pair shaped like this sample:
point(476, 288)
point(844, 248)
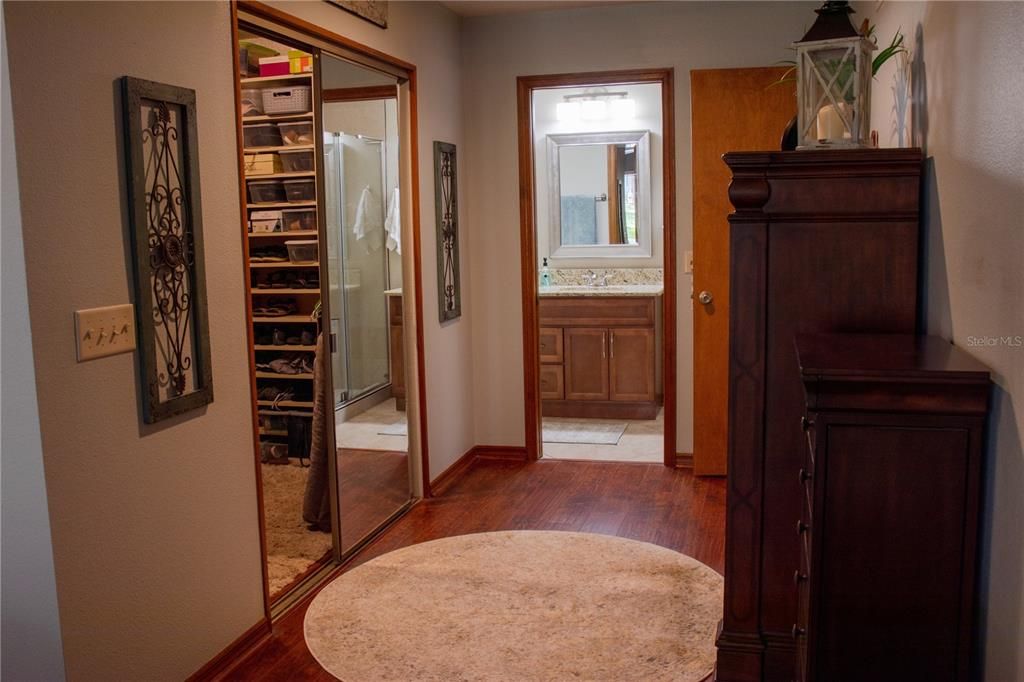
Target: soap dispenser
point(545, 275)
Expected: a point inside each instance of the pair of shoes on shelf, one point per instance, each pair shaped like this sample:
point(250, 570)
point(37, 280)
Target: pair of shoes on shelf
point(291, 363)
point(275, 307)
point(269, 254)
point(287, 280)
point(305, 338)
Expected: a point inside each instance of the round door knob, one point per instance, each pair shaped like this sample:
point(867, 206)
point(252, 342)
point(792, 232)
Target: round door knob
point(705, 297)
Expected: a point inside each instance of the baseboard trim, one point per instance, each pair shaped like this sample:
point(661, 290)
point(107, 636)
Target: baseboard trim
point(510, 453)
point(233, 654)
point(684, 460)
point(453, 473)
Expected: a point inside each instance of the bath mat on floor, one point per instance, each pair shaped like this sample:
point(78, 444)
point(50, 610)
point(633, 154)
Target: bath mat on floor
point(399, 429)
point(531, 605)
point(589, 432)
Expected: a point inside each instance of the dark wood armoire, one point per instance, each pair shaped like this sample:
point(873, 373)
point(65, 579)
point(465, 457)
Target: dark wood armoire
point(820, 241)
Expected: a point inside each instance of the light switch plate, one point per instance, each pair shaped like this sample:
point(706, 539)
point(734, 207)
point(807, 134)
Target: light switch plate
point(104, 331)
point(688, 263)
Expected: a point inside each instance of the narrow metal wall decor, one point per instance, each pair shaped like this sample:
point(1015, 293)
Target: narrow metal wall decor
point(446, 202)
point(165, 216)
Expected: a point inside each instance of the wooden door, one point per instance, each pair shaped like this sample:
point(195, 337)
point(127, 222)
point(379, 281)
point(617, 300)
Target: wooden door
point(586, 363)
point(731, 110)
point(631, 364)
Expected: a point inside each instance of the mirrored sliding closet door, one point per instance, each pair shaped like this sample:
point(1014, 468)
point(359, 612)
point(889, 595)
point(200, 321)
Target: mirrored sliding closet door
point(362, 203)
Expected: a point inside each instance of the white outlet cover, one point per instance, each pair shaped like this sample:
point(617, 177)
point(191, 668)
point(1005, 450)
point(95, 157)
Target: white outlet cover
point(100, 332)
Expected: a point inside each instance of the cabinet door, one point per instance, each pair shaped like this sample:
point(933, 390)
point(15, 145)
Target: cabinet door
point(551, 344)
point(552, 382)
point(586, 364)
point(631, 364)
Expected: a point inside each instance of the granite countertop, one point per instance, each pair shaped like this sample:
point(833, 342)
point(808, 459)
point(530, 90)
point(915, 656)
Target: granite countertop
point(610, 290)
point(393, 292)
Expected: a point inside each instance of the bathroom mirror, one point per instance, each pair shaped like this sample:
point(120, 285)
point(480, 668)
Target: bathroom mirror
point(599, 196)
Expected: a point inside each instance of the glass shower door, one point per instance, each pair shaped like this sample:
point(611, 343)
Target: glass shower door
point(358, 263)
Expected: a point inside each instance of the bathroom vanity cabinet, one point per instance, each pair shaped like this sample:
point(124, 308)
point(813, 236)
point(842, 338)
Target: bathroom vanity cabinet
point(597, 357)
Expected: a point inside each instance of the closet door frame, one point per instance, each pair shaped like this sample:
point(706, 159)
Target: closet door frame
point(317, 39)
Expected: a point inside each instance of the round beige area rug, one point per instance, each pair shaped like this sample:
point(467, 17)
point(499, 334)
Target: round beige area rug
point(520, 605)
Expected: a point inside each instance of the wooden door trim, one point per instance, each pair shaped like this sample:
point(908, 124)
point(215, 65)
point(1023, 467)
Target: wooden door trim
point(525, 85)
point(369, 92)
point(288, 21)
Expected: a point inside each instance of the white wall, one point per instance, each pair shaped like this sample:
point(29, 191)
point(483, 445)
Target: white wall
point(496, 50)
point(545, 122)
point(30, 627)
point(427, 35)
point(155, 530)
point(968, 96)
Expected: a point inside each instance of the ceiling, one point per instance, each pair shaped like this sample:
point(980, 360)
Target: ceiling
point(483, 8)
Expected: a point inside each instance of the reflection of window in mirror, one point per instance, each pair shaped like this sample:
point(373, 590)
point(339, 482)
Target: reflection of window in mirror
point(597, 194)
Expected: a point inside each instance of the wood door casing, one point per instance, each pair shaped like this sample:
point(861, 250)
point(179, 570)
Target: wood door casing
point(552, 382)
point(631, 364)
point(731, 109)
point(586, 364)
point(551, 344)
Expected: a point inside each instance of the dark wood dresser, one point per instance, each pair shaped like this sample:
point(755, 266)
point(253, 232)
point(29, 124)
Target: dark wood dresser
point(820, 241)
point(890, 491)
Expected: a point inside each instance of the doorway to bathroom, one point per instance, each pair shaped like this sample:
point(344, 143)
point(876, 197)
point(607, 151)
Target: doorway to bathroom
point(596, 162)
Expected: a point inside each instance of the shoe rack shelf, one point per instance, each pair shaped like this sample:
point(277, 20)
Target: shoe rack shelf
point(289, 377)
point(299, 302)
point(284, 264)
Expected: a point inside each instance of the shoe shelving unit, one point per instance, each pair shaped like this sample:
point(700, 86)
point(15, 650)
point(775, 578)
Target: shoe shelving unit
point(272, 389)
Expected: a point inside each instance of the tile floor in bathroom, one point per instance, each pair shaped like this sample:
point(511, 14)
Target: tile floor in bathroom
point(363, 432)
point(642, 441)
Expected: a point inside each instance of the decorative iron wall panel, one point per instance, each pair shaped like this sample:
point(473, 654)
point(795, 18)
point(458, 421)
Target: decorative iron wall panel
point(165, 215)
point(446, 202)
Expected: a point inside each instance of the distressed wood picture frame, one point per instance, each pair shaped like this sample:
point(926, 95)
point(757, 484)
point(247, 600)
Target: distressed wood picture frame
point(373, 11)
point(446, 205)
point(165, 220)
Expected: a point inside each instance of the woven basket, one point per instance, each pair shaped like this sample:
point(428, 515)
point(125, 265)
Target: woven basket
point(291, 100)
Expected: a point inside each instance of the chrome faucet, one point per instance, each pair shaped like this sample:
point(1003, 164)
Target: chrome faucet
point(592, 279)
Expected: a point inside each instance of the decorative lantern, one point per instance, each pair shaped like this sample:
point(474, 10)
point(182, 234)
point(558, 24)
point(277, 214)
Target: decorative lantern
point(833, 82)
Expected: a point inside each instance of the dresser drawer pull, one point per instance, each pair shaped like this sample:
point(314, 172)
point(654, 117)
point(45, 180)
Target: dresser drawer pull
point(799, 577)
point(801, 527)
point(797, 631)
point(805, 475)
point(806, 424)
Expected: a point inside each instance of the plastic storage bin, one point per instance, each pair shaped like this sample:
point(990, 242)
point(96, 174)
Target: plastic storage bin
point(296, 160)
point(265, 221)
point(300, 190)
point(298, 219)
point(266, 191)
point(261, 135)
point(293, 99)
point(297, 132)
point(252, 102)
point(302, 250)
point(275, 66)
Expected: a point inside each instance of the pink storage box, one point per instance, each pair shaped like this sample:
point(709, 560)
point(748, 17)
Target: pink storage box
point(275, 66)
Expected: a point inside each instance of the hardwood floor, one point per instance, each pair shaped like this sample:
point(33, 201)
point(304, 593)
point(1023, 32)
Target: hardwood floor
point(648, 502)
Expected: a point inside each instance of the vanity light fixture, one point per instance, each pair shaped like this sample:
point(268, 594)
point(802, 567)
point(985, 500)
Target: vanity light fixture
point(595, 104)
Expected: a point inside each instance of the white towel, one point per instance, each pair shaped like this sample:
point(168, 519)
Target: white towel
point(367, 225)
point(393, 223)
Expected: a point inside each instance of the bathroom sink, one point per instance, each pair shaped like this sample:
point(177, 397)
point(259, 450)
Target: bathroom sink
point(610, 290)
